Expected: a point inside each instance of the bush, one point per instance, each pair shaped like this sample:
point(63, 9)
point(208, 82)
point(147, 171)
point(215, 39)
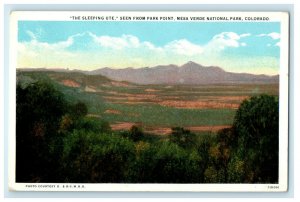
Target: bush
point(92, 124)
point(203, 145)
point(182, 137)
point(257, 126)
point(211, 175)
point(166, 163)
point(247, 152)
point(96, 157)
point(236, 171)
point(78, 110)
point(135, 133)
point(39, 110)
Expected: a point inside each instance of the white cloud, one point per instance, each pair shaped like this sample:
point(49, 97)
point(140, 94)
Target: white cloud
point(183, 47)
point(89, 48)
point(180, 47)
point(23, 49)
point(43, 46)
point(31, 35)
point(225, 40)
point(245, 35)
point(273, 35)
point(125, 41)
point(35, 51)
point(272, 45)
point(34, 44)
point(118, 43)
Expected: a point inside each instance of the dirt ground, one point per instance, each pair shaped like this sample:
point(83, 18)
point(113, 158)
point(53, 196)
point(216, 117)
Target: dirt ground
point(112, 111)
point(70, 83)
point(208, 102)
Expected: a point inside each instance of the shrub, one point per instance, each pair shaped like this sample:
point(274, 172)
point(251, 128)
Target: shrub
point(257, 127)
point(40, 108)
point(96, 157)
point(166, 163)
point(182, 137)
point(135, 133)
point(78, 110)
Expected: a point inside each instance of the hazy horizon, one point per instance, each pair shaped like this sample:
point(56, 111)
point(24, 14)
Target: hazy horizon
point(90, 70)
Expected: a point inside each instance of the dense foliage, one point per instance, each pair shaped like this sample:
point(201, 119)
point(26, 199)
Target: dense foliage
point(39, 111)
point(257, 128)
point(58, 142)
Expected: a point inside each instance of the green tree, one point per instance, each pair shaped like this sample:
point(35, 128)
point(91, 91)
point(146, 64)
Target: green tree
point(39, 109)
point(166, 162)
point(236, 170)
point(93, 124)
point(79, 110)
point(182, 137)
point(135, 133)
point(220, 153)
point(203, 146)
point(96, 157)
point(257, 128)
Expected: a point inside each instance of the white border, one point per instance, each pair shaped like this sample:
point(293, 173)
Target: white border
point(281, 17)
point(65, 15)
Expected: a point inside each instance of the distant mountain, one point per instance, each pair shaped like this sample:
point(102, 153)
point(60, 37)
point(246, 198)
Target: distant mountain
point(189, 73)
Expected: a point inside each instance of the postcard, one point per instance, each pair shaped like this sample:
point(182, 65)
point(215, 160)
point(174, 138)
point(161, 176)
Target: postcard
point(148, 101)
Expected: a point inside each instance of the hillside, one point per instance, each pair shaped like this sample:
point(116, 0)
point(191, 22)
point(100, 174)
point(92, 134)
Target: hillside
point(68, 78)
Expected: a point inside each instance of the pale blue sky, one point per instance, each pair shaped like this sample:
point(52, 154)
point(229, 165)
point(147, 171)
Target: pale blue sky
point(235, 46)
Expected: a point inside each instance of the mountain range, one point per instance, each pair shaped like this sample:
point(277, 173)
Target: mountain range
point(189, 73)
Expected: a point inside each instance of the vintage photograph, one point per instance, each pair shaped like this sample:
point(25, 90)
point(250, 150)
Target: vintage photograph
point(137, 98)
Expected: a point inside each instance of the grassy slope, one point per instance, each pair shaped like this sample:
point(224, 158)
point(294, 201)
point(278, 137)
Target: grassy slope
point(156, 115)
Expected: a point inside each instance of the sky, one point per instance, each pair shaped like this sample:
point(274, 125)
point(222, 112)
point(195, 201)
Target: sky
point(252, 47)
